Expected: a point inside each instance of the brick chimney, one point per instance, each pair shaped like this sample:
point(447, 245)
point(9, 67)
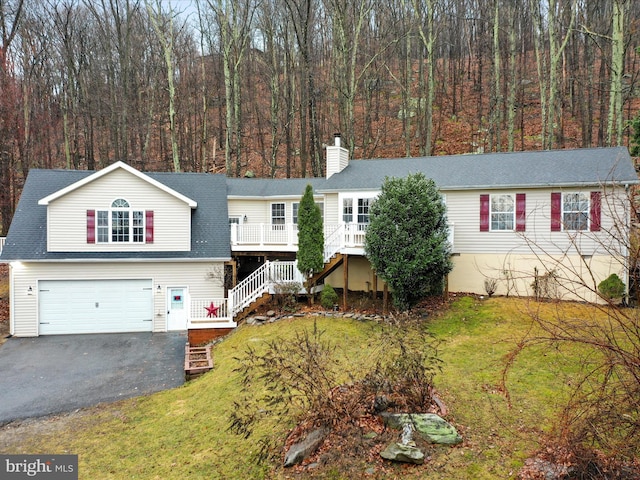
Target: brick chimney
point(337, 156)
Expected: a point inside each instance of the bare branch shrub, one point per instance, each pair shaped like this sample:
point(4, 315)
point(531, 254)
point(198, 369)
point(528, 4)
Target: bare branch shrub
point(545, 286)
point(293, 377)
point(602, 417)
point(405, 373)
point(287, 295)
point(507, 277)
point(216, 274)
point(490, 286)
point(304, 378)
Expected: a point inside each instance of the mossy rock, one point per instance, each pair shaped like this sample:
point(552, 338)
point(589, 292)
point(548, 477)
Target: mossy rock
point(429, 425)
point(397, 452)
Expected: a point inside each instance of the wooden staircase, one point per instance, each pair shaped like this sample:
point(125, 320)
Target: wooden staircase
point(264, 299)
point(197, 360)
point(257, 288)
point(334, 262)
point(261, 289)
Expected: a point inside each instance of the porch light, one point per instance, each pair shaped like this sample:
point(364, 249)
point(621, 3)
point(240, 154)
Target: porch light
point(245, 219)
point(29, 290)
point(158, 289)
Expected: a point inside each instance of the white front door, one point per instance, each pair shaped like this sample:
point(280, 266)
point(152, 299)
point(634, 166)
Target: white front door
point(177, 308)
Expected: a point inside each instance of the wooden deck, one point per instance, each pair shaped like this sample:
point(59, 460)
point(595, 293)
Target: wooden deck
point(201, 336)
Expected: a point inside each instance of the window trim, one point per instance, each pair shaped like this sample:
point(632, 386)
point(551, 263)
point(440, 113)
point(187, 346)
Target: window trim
point(512, 212)
point(519, 212)
point(593, 211)
point(284, 214)
point(137, 224)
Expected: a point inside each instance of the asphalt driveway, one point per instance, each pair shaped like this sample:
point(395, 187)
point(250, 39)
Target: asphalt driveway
point(59, 373)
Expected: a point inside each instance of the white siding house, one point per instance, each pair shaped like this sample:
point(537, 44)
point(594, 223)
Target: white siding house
point(512, 216)
point(118, 251)
point(122, 250)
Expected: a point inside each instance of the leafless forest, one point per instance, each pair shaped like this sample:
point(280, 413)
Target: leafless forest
point(232, 86)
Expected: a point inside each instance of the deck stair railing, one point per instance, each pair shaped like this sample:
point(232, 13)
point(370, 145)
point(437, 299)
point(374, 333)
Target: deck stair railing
point(264, 280)
point(333, 241)
point(270, 275)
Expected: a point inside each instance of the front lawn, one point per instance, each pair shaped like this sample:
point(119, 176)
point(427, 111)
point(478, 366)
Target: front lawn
point(182, 433)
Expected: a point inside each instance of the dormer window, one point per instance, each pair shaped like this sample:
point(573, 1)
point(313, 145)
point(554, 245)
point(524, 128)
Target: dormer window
point(120, 224)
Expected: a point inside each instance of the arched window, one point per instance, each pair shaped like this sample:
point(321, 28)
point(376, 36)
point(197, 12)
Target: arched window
point(120, 224)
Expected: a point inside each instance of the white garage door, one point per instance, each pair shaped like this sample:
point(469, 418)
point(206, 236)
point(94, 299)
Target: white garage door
point(95, 306)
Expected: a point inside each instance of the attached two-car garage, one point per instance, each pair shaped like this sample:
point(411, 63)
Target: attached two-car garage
point(95, 306)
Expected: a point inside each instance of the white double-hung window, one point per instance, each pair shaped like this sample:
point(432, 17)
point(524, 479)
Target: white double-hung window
point(347, 210)
point(502, 212)
point(575, 211)
point(278, 218)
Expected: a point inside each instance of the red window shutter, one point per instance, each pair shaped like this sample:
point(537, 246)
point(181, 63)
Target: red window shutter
point(484, 213)
point(521, 212)
point(595, 211)
point(91, 226)
point(556, 211)
point(148, 221)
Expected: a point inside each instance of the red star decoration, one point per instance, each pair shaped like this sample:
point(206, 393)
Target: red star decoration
point(212, 310)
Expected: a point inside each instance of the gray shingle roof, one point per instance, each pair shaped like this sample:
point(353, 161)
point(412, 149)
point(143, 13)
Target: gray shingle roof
point(268, 187)
point(27, 238)
point(549, 168)
point(210, 233)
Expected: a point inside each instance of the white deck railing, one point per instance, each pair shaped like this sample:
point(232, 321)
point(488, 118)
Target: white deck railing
point(333, 240)
point(265, 279)
point(264, 234)
point(285, 237)
point(210, 313)
point(270, 275)
point(201, 309)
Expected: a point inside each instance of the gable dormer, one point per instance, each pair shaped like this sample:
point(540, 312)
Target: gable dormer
point(118, 209)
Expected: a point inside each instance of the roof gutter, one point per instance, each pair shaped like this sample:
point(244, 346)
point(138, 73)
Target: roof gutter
point(503, 187)
point(120, 260)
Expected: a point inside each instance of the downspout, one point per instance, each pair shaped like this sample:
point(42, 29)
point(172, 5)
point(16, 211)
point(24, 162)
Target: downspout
point(625, 245)
point(12, 302)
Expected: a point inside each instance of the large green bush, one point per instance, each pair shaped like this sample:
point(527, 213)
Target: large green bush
point(407, 238)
